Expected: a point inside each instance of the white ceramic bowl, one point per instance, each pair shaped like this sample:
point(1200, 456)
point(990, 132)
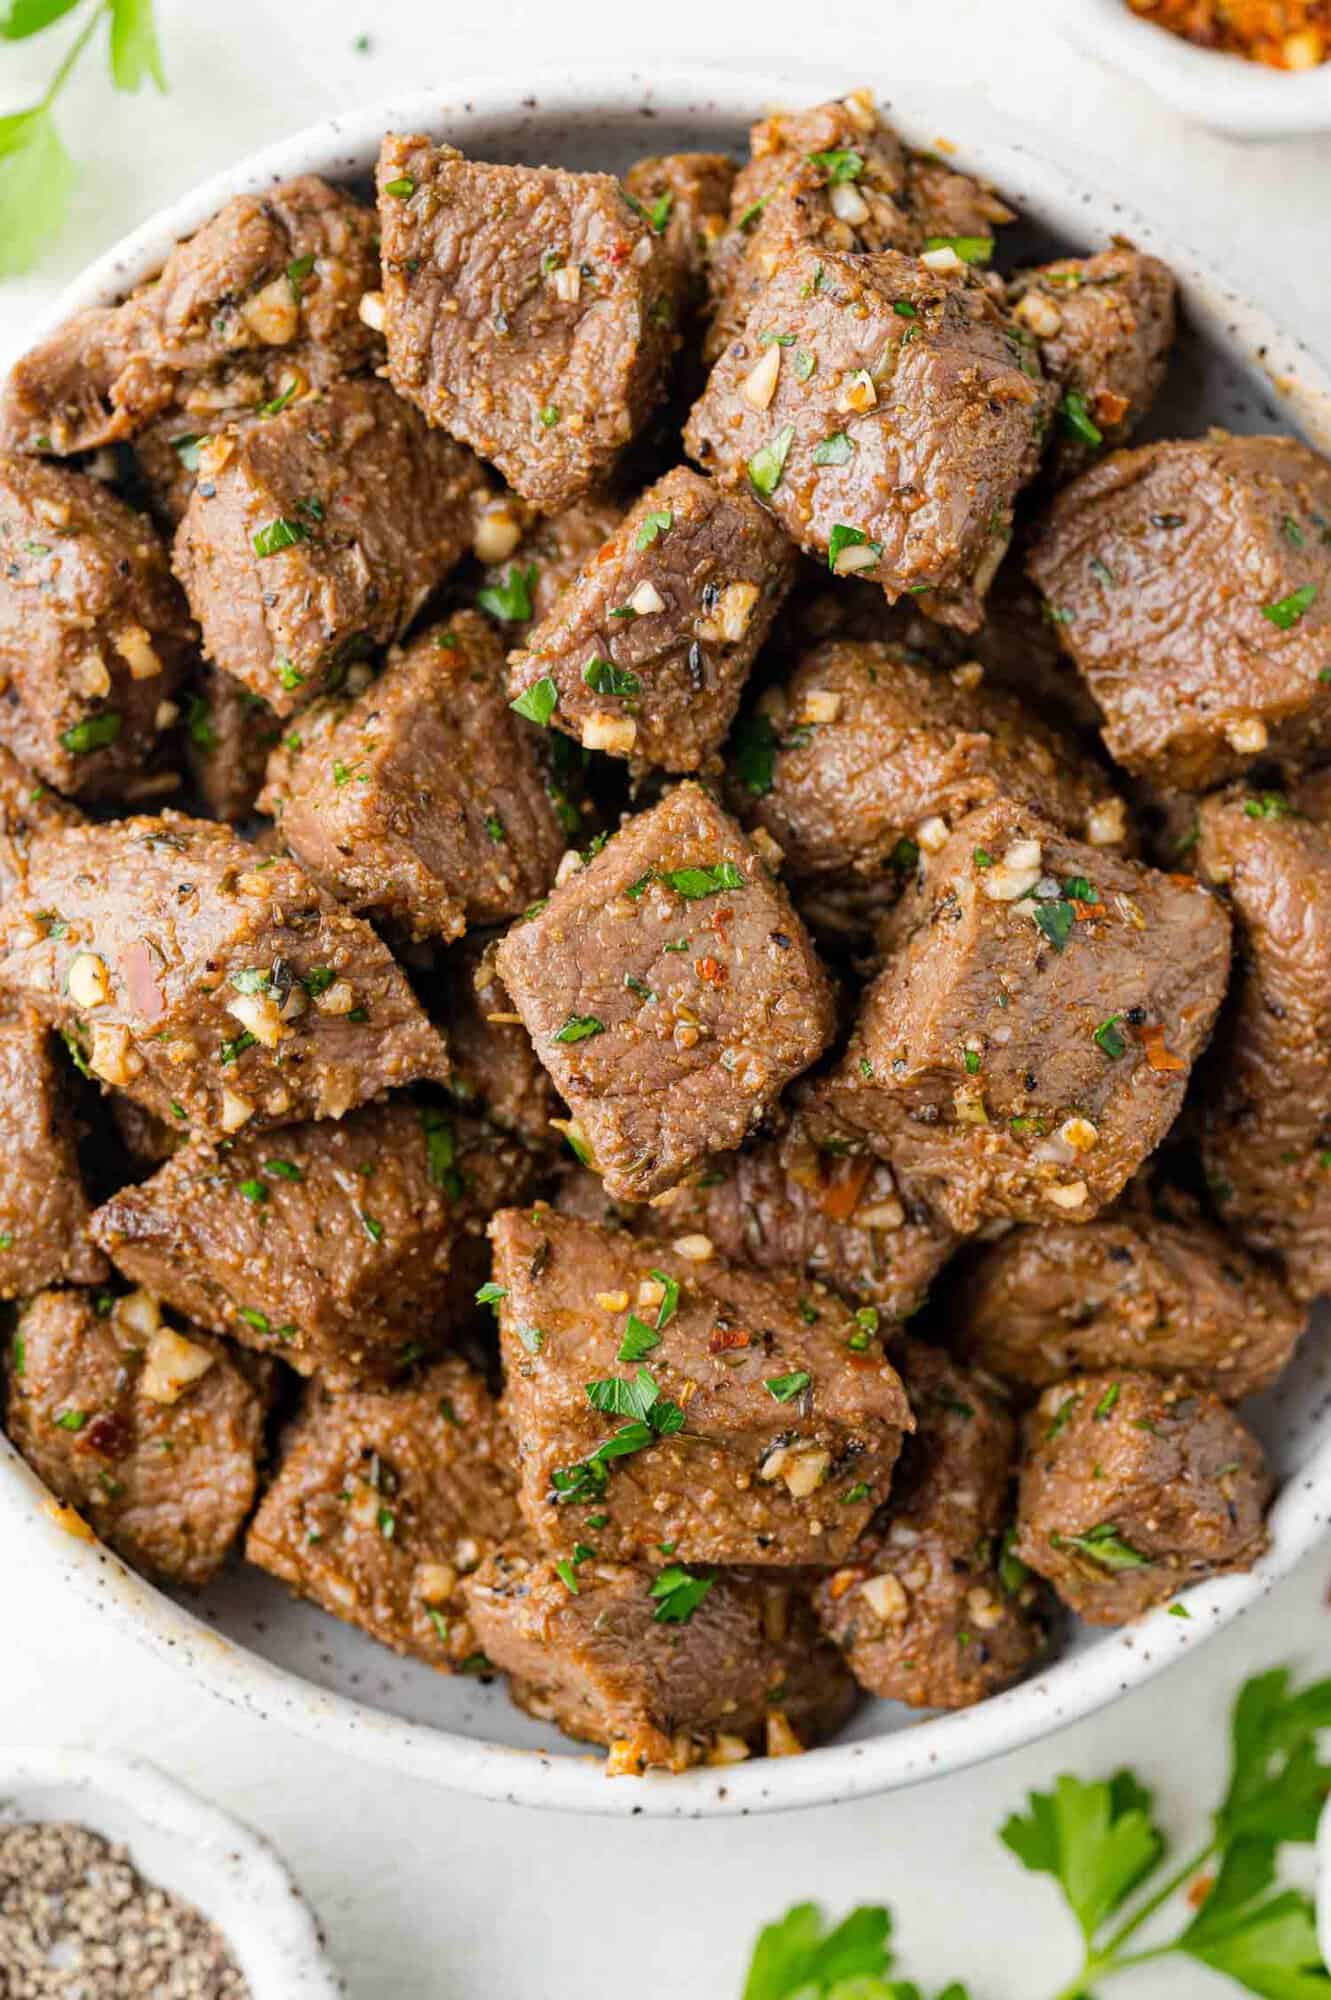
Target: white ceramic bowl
point(1244, 100)
point(246, 1639)
point(195, 1850)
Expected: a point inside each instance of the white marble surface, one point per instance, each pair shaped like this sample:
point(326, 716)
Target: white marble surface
point(428, 1895)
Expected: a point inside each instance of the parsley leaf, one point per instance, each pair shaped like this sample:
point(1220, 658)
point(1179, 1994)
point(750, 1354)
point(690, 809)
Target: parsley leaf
point(604, 677)
point(796, 1956)
point(135, 53)
point(769, 461)
point(537, 702)
point(36, 175)
point(1098, 1841)
point(679, 1593)
point(509, 601)
point(754, 758)
point(694, 883)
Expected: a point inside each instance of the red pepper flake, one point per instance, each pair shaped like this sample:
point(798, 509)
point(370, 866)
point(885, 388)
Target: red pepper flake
point(1083, 912)
point(723, 1338)
point(711, 971)
point(1158, 1057)
point(108, 1435)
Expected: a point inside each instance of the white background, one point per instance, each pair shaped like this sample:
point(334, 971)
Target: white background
point(425, 1894)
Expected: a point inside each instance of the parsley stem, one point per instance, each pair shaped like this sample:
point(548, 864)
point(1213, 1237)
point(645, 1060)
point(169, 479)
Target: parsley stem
point(76, 48)
point(1170, 1887)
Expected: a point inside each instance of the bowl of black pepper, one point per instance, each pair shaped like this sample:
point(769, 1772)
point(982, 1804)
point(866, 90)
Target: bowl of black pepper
point(118, 1883)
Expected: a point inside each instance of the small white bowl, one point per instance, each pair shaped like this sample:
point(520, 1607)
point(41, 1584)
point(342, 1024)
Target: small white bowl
point(1244, 100)
point(195, 1850)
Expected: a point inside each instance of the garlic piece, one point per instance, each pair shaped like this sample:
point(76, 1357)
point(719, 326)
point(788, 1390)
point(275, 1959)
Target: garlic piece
point(173, 1365)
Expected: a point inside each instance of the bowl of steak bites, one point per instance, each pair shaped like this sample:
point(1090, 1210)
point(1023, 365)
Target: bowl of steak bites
point(665, 943)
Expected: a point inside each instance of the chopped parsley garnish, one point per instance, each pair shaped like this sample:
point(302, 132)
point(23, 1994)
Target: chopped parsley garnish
point(509, 601)
point(71, 1420)
point(491, 1293)
point(1104, 1545)
point(785, 1388)
point(678, 1593)
point(639, 1340)
point(1267, 805)
point(657, 523)
point(603, 677)
point(403, 186)
point(854, 1495)
point(550, 416)
point(838, 449)
point(231, 1051)
point(670, 1302)
point(538, 702)
point(970, 249)
point(283, 533)
point(769, 461)
point(1056, 920)
point(441, 1152)
point(1108, 1038)
point(94, 732)
point(576, 1484)
point(579, 1028)
point(971, 1059)
point(694, 883)
point(843, 536)
point(254, 1190)
point(1106, 1403)
point(1078, 420)
point(373, 1228)
point(754, 759)
point(567, 1575)
point(904, 309)
point(1287, 611)
point(840, 165)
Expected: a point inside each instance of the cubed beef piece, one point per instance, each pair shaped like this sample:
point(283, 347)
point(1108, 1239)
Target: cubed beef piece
point(151, 1433)
point(666, 1671)
point(685, 197)
point(229, 735)
point(495, 1068)
point(1029, 1040)
point(27, 807)
point(1151, 1285)
point(271, 285)
point(865, 756)
point(532, 564)
point(1132, 1488)
point(43, 1212)
point(422, 802)
point(384, 1500)
point(317, 535)
point(528, 311)
point(1266, 1135)
point(671, 992)
point(951, 210)
point(927, 1611)
point(647, 650)
point(347, 1248)
point(1191, 584)
point(741, 1432)
point(892, 435)
point(840, 1223)
point(1105, 325)
point(192, 974)
point(94, 634)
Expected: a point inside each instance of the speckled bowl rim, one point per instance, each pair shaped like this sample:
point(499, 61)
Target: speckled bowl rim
point(1068, 1689)
point(1242, 99)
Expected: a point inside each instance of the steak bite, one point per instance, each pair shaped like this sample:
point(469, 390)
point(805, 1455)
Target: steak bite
point(495, 1068)
point(1152, 1287)
point(1132, 1488)
point(893, 434)
point(839, 1223)
point(27, 808)
point(1266, 1132)
point(229, 734)
point(43, 1212)
point(1029, 1040)
point(94, 634)
point(271, 285)
point(215, 987)
point(384, 1500)
point(684, 197)
point(317, 535)
point(648, 648)
point(1191, 584)
point(739, 1431)
point(865, 755)
point(671, 992)
point(546, 555)
point(926, 1611)
point(1105, 325)
point(666, 1671)
point(528, 311)
point(347, 1248)
point(153, 1434)
point(422, 802)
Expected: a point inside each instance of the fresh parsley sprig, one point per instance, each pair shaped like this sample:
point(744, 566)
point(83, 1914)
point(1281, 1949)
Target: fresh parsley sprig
point(36, 172)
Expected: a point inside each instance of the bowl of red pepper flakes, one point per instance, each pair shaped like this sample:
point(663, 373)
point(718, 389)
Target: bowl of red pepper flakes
point(1253, 69)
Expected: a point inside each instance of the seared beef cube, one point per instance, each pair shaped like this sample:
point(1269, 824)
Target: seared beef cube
point(1155, 1287)
point(671, 992)
point(347, 1248)
point(666, 1671)
point(43, 1213)
point(925, 1611)
point(1191, 584)
point(382, 1503)
point(1105, 325)
point(951, 210)
point(893, 433)
point(546, 555)
point(317, 535)
point(94, 635)
point(495, 1068)
point(684, 197)
point(739, 1432)
point(271, 285)
point(1132, 1488)
point(150, 1433)
point(1266, 1135)
point(865, 756)
point(214, 987)
point(1029, 1040)
point(229, 734)
point(648, 649)
point(528, 311)
point(27, 807)
point(422, 802)
point(839, 1223)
